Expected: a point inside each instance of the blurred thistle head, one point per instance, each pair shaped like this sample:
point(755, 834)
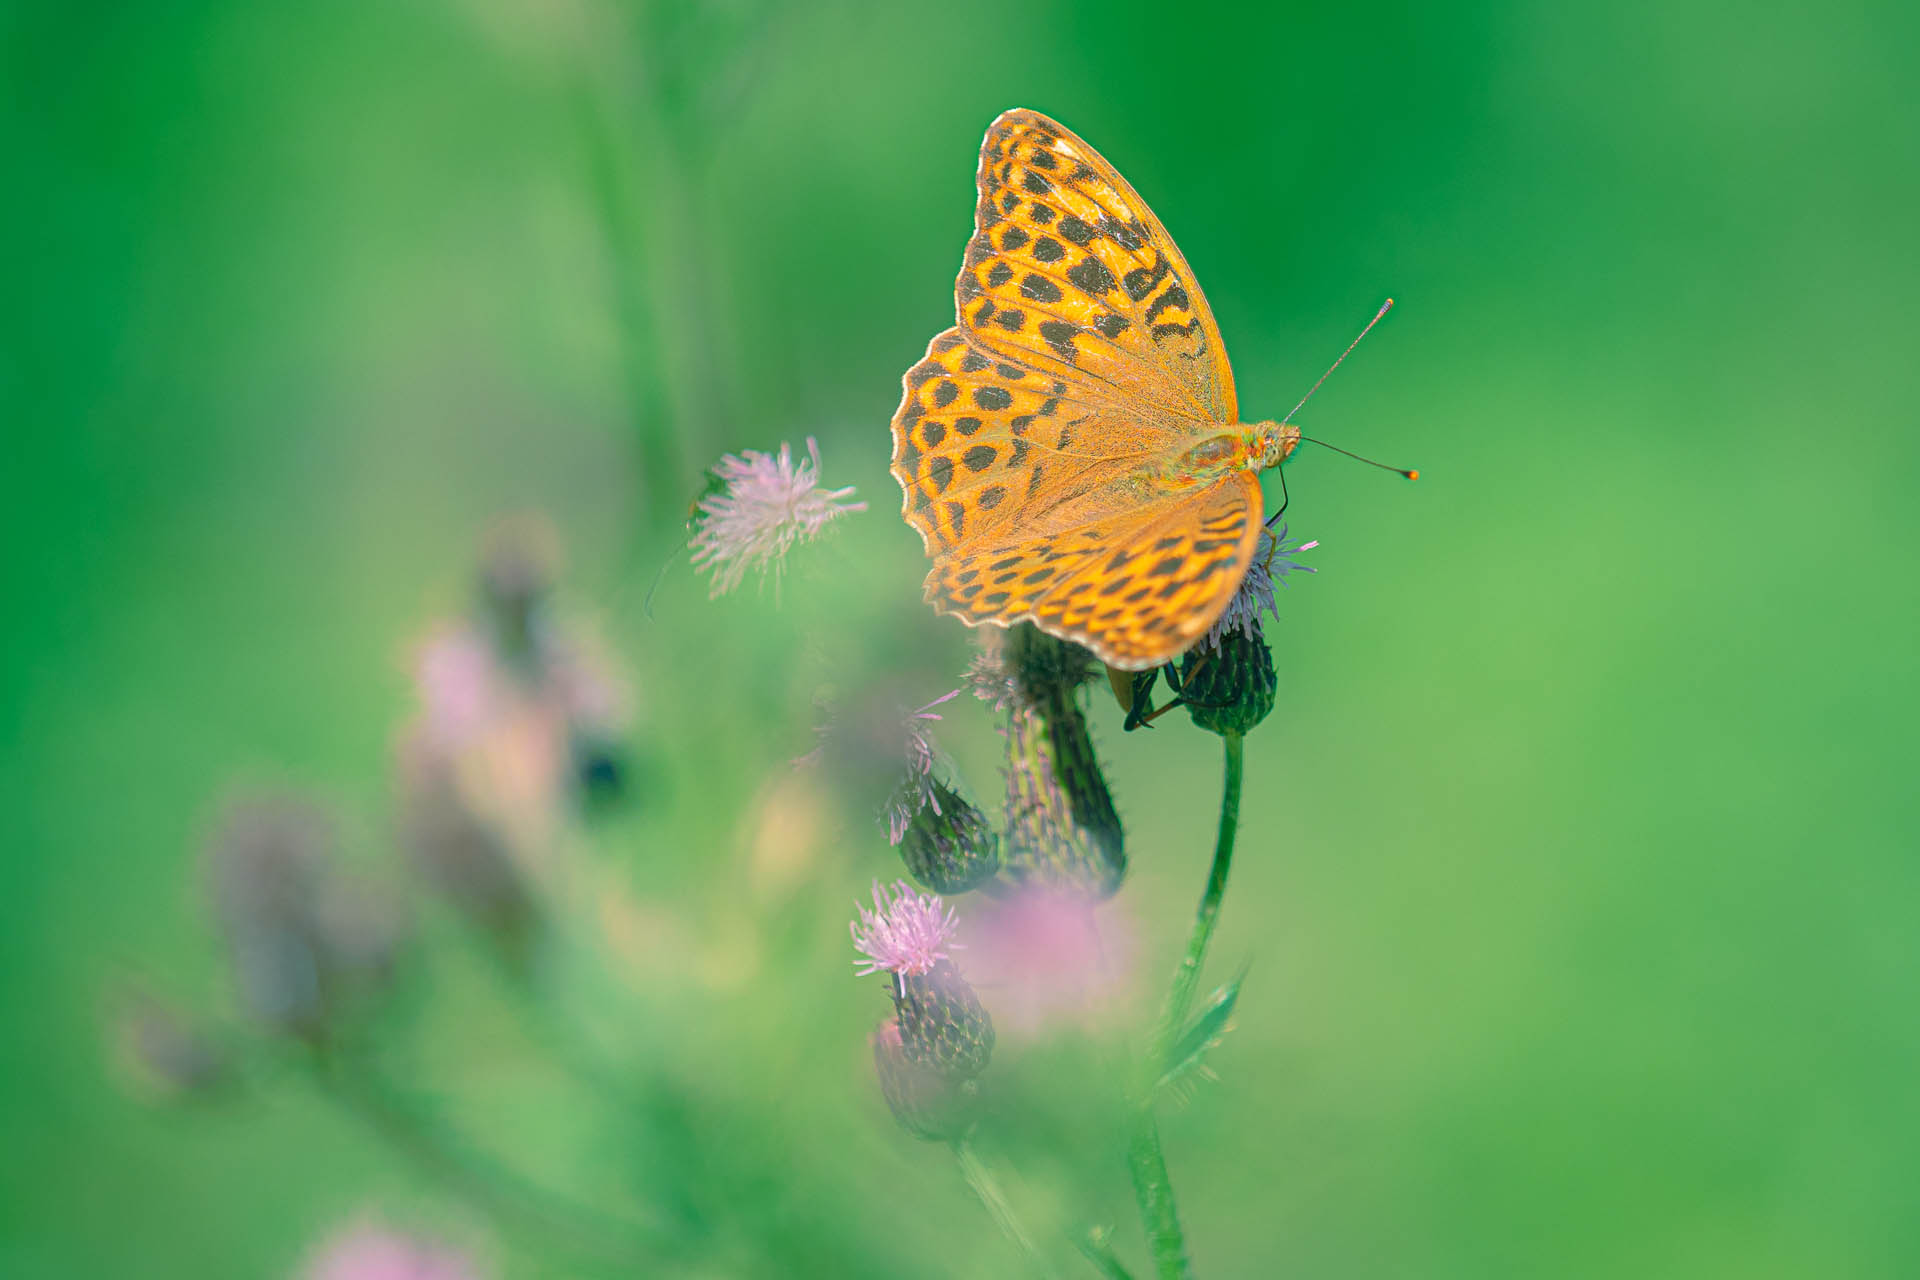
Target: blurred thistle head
point(1273, 560)
point(519, 563)
point(523, 732)
point(765, 506)
point(460, 853)
point(916, 790)
point(302, 936)
point(1023, 667)
point(904, 933)
point(368, 1249)
point(880, 754)
point(165, 1053)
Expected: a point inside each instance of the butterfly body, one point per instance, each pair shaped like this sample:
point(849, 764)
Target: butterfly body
point(1071, 451)
point(1242, 447)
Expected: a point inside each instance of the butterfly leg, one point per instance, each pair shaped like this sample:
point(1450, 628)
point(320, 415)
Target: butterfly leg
point(1144, 713)
point(1140, 710)
point(1179, 687)
point(1282, 473)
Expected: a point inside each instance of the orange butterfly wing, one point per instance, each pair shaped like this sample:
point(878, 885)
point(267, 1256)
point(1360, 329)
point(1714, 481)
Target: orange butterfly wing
point(1070, 270)
point(1031, 440)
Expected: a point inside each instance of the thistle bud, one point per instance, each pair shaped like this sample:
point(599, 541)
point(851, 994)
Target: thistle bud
point(943, 1026)
point(926, 1103)
point(1229, 687)
point(1227, 679)
point(165, 1052)
point(949, 846)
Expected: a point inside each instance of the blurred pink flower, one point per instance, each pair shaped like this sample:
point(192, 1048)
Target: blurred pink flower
point(366, 1249)
point(518, 716)
point(906, 932)
point(768, 504)
point(1043, 960)
point(458, 685)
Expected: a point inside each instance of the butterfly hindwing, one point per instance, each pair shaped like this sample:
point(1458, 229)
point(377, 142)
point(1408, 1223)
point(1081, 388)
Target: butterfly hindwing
point(1070, 268)
point(1135, 592)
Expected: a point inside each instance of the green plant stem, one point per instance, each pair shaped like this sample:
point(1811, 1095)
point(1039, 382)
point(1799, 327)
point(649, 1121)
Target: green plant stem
point(1099, 1251)
point(988, 1188)
point(1151, 1185)
point(1186, 978)
point(1154, 1190)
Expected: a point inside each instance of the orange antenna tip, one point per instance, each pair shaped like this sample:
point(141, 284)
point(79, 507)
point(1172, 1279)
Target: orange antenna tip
point(1413, 475)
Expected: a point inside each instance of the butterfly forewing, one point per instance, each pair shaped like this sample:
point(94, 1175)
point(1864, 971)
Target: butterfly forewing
point(1069, 267)
point(981, 443)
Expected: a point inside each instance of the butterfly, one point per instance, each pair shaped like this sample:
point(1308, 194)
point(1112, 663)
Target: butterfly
point(1071, 450)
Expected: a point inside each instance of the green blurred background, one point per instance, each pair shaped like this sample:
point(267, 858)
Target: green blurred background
point(1578, 885)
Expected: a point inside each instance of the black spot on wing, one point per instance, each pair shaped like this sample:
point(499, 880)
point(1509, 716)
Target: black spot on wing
point(1039, 288)
point(1091, 276)
point(1075, 230)
point(1175, 296)
point(1059, 336)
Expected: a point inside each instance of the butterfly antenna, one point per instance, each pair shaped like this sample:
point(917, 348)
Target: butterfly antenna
point(1401, 471)
point(1386, 307)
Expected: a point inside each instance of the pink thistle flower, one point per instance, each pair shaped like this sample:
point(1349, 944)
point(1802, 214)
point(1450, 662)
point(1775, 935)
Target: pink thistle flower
point(905, 933)
point(767, 505)
point(1272, 562)
point(369, 1250)
point(990, 680)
